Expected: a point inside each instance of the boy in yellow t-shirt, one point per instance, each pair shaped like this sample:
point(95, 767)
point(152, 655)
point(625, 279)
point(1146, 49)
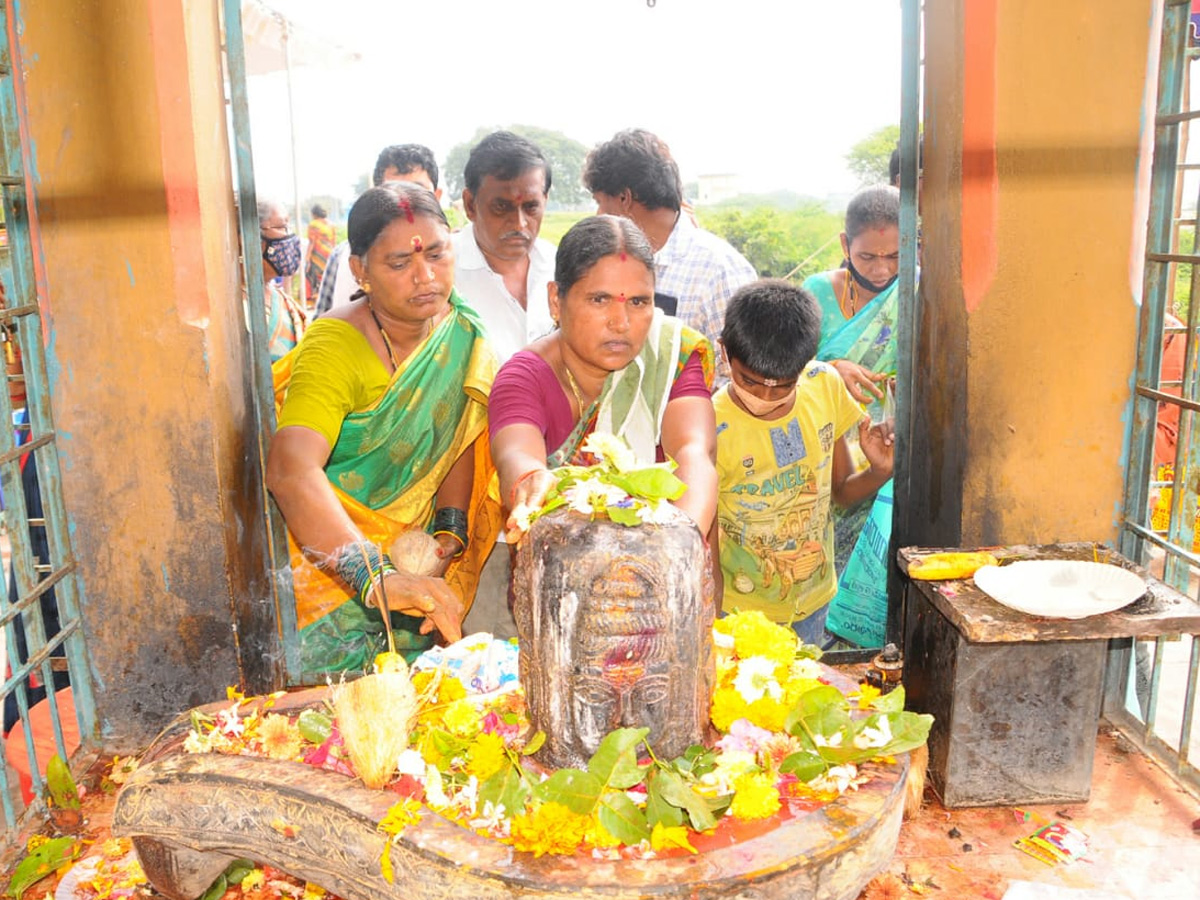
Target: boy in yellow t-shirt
point(782, 458)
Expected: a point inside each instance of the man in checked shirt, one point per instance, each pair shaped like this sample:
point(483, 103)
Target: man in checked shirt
point(634, 175)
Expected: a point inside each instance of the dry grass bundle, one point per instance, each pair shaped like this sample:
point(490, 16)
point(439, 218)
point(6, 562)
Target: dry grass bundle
point(374, 715)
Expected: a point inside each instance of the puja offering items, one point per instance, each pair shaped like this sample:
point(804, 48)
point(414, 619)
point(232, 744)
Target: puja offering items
point(374, 714)
point(415, 552)
point(947, 566)
point(789, 742)
point(1054, 844)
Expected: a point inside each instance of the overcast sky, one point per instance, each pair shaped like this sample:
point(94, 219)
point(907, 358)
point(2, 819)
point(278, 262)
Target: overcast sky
point(775, 91)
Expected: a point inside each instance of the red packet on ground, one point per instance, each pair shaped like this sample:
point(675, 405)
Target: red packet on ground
point(1054, 843)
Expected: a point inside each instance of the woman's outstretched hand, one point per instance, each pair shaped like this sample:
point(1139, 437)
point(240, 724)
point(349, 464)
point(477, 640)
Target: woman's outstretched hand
point(422, 595)
point(863, 384)
point(528, 494)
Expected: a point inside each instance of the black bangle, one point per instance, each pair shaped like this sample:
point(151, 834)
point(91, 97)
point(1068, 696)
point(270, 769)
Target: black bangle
point(452, 521)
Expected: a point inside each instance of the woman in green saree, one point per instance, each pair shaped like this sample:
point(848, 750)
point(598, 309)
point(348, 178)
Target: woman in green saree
point(859, 309)
point(382, 430)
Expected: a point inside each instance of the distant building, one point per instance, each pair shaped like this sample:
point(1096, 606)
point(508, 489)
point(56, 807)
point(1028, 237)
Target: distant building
point(715, 188)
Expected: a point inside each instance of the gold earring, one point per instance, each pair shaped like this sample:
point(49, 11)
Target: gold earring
point(366, 286)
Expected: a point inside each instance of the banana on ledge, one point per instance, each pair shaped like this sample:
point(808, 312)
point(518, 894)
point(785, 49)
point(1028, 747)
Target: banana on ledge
point(946, 566)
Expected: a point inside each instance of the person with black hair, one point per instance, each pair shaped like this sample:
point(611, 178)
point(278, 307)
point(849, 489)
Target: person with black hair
point(782, 459)
point(502, 266)
point(634, 175)
point(397, 162)
point(381, 423)
point(615, 365)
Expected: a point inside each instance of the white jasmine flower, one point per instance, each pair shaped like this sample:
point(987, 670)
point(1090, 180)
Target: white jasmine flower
point(834, 740)
point(195, 743)
point(435, 794)
point(411, 763)
point(878, 736)
point(755, 677)
point(838, 778)
point(522, 515)
point(730, 765)
point(592, 495)
point(229, 723)
point(491, 817)
point(660, 513)
point(612, 449)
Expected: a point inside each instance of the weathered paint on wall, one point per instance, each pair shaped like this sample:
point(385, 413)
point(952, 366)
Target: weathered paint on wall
point(146, 323)
point(1045, 352)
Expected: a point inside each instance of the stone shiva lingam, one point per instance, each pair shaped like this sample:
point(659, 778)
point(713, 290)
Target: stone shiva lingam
point(615, 630)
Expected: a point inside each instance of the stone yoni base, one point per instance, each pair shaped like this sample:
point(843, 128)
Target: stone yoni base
point(190, 815)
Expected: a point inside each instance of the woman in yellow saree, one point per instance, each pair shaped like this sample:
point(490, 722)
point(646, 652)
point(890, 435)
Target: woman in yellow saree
point(382, 429)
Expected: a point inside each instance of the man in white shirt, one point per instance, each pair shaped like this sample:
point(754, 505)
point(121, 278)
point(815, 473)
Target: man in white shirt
point(502, 269)
point(501, 266)
point(399, 162)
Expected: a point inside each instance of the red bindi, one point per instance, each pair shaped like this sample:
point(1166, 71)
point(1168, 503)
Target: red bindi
point(407, 207)
point(416, 244)
point(622, 298)
point(623, 256)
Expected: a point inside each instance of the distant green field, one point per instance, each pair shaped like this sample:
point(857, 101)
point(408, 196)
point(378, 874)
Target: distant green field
point(556, 224)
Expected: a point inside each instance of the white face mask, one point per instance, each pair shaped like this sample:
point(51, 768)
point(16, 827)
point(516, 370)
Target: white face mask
point(758, 407)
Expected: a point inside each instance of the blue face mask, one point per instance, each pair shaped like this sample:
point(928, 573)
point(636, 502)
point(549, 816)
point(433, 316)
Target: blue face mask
point(283, 254)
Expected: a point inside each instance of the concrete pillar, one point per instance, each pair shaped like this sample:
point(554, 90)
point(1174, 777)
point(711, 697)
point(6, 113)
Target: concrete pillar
point(148, 352)
point(1028, 319)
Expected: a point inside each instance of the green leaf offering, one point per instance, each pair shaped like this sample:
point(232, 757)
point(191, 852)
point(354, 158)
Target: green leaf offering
point(40, 862)
point(314, 726)
point(60, 784)
point(615, 761)
point(574, 789)
point(622, 818)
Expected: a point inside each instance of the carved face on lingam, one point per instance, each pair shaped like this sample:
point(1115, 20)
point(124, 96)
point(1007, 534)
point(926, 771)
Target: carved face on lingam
point(615, 627)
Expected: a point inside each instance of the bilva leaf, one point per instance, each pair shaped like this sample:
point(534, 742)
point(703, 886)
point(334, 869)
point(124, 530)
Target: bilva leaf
point(804, 765)
point(622, 818)
point(658, 809)
point(505, 788)
point(574, 789)
point(651, 483)
point(677, 792)
point(615, 761)
point(623, 515)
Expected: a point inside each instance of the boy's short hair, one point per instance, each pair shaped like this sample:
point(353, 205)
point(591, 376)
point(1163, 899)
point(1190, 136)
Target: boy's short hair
point(772, 327)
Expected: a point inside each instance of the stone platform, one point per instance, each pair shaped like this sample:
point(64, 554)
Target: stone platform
point(190, 815)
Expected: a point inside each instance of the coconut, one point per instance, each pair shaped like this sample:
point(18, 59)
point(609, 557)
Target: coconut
point(374, 715)
point(415, 552)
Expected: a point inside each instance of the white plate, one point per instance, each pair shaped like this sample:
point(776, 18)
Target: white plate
point(1060, 588)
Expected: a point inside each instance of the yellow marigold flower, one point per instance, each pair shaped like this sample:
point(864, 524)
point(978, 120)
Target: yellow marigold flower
point(867, 694)
point(485, 756)
point(727, 707)
point(756, 635)
point(664, 837)
point(598, 836)
point(767, 713)
point(755, 797)
point(462, 718)
point(313, 891)
point(279, 737)
point(551, 828)
point(451, 689)
point(399, 816)
point(420, 680)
